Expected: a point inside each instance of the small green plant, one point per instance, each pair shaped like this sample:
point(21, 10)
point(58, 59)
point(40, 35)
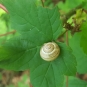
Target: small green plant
point(36, 25)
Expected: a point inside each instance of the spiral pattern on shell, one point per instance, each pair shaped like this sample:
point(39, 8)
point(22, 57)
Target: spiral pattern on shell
point(49, 51)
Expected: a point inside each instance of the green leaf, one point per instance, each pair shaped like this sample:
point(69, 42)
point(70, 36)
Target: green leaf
point(84, 37)
point(27, 54)
point(69, 5)
point(37, 25)
point(79, 42)
point(76, 82)
point(24, 56)
point(34, 22)
point(47, 74)
point(66, 60)
point(85, 4)
point(81, 57)
point(48, 3)
point(17, 53)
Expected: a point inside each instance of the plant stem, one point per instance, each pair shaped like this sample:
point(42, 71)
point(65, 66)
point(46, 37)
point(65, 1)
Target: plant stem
point(63, 33)
point(67, 39)
point(12, 32)
point(67, 42)
point(42, 3)
point(3, 7)
point(30, 85)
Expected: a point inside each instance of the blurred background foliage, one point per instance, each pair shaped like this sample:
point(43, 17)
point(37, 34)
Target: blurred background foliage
point(21, 79)
point(10, 78)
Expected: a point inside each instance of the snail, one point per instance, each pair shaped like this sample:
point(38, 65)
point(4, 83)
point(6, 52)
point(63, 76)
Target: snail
point(49, 51)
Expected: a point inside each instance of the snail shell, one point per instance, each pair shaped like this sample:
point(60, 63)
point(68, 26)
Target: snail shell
point(49, 51)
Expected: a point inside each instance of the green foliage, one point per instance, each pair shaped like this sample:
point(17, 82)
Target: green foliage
point(23, 53)
point(85, 4)
point(23, 82)
point(34, 20)
point(35, 26)
point(48, 3)
point(75, 82)
point(4, 26)
point(48, 73)
point(69, 4)
point(81, 57)
point(84, 37)
point(80, 16)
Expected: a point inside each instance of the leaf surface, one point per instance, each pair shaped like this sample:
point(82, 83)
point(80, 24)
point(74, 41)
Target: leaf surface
point(34, 22)
point(83, 41)
point(76, 82)
point(25, 56)
point(50, 74)
point(37, 25)
point(81, 57)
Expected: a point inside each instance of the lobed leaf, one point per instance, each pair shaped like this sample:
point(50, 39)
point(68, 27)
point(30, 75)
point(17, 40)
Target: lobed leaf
point(37, 25)
point(34, 22)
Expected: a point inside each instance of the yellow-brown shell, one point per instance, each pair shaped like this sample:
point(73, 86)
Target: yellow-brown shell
point(49, 51)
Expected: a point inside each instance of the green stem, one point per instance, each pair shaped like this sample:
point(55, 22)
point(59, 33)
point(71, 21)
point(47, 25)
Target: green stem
point(67, 39)
point(67, 42)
